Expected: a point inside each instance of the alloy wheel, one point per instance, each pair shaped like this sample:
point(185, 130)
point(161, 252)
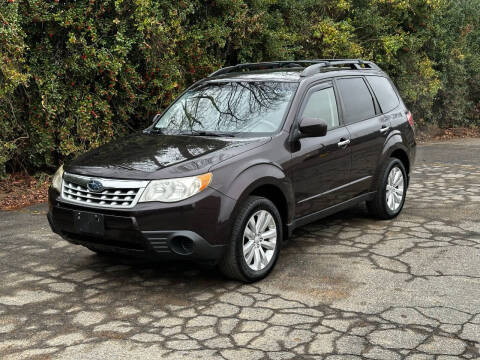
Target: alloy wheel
point(395, 188)
point(259, 240)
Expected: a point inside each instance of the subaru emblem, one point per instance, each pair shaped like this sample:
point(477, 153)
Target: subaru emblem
point(95, 186)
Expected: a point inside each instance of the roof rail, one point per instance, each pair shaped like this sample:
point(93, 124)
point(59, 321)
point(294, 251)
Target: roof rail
point(262, 66)
point(311, 66)
point(355, 64)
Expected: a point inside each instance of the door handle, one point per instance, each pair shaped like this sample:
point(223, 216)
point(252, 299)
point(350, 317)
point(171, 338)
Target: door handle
point(384, 129)
point(344, 143)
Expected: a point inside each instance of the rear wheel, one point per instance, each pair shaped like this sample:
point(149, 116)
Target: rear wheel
point(391, 191)
point(256, 239)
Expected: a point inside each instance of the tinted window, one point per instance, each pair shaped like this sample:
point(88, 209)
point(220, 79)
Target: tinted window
point(384, 92)
point(322, 105)
point(357, 100)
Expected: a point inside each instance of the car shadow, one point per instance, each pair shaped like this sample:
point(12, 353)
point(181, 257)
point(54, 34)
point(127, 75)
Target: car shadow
point(208, 274)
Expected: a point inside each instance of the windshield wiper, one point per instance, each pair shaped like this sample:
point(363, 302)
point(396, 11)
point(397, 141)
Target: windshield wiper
point(207, 133)
point(158, 131)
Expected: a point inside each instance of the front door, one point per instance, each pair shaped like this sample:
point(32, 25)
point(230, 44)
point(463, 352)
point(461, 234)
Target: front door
point(321, 164)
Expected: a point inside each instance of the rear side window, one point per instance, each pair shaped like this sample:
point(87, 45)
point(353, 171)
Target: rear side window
point(386, 96)
point(322, 105)
point(357, 100)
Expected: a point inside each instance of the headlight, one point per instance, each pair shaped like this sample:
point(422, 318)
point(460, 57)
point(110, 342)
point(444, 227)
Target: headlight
point(170, 190)
point(57, 179)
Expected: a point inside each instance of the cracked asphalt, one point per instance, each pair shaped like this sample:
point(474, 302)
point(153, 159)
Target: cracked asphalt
point(345, 287)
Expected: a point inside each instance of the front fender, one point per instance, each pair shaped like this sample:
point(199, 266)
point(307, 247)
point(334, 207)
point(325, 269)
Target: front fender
point(240, 183)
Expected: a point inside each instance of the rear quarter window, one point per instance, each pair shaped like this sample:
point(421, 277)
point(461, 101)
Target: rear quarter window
point(386, 95)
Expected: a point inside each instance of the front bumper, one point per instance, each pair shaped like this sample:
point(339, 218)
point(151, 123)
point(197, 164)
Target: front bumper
point(195, 228)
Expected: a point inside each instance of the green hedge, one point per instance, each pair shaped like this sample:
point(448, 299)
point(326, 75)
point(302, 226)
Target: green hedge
point(74, 74)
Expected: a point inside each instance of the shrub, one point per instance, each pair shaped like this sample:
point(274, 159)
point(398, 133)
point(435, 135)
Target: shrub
point(74, 74)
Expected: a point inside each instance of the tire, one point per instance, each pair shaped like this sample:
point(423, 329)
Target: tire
point(234, 264)
point(379, 207)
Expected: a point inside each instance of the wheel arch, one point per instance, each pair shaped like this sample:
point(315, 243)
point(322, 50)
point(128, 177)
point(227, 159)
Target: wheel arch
point(402, 155)
point(266, 180)
point(275, 195)
point(394, 147)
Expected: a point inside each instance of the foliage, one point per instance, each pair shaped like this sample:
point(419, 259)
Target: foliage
point(74, 74)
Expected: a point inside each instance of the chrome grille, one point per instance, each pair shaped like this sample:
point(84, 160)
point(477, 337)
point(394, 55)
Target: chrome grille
point(115, 193)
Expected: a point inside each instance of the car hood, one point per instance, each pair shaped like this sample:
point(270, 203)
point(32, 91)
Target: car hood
point(151, 156)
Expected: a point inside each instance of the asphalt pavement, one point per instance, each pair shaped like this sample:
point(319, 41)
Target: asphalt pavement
point(345, 287)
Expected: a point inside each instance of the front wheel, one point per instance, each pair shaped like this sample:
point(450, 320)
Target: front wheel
point(256, 240)
point(391, 191)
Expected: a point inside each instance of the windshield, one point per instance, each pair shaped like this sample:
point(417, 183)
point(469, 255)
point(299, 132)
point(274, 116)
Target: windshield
point(229, 107)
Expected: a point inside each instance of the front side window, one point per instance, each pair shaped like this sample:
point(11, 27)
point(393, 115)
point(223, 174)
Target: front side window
point(256, 107)
point(386, 96)
point(356, 99)
point(322, 105)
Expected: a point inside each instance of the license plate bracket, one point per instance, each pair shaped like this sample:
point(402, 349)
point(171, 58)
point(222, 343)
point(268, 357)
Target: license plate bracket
point(89, 223)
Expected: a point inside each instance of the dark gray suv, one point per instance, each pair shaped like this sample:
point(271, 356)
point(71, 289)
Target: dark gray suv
point(239, 161)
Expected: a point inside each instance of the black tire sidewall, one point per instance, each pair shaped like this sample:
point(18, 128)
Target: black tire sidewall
point(383, 190)
point(260, 204)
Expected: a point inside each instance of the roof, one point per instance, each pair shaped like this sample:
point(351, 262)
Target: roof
point(291, 74)
point(293, 71)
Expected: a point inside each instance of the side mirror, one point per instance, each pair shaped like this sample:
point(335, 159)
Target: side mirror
point(312, 127)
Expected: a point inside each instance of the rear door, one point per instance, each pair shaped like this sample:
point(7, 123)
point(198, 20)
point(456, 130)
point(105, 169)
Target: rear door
point(321, 164)
point(368, 129)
